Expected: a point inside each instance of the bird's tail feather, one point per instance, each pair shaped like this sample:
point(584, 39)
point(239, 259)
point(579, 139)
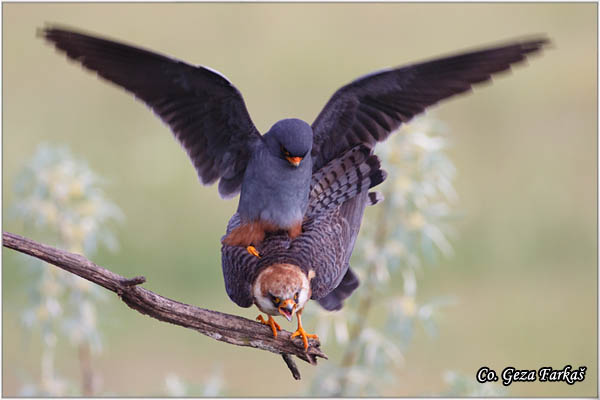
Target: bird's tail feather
point(354, 172)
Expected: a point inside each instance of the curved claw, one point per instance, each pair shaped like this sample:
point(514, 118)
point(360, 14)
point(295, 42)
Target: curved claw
point(271, 322)
point(302, 333)
point(252, 250)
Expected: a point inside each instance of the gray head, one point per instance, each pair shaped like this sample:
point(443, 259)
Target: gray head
point(290, 139)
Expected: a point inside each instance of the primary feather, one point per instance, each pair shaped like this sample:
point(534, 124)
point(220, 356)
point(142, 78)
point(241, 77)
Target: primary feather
point(370, 108)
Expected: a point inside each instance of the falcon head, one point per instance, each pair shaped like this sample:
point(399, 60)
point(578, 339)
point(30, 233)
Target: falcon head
point(282, 289)
point(290, 139)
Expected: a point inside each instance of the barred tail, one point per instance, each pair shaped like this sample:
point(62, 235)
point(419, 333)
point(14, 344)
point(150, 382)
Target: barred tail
point(343, 178)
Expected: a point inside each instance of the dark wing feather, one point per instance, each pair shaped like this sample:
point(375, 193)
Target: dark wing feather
point(337, 282)
point(324, 231)
point(339, 193)
point(348, 216)
point(204, 110)
point(240, 269)
point(321, 247)
point(335, 299)
point(344, 178)
point(368, 109)
point(344, 182)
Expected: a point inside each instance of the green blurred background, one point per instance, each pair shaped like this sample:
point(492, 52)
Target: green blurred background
point(524, 272)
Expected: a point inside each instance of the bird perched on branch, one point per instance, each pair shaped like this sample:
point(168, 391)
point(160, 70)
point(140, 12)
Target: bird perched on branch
point(276, 172)
point(316, 263)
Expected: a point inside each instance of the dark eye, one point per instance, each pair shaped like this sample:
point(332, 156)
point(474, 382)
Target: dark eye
point(275, 300)
point(284, 151)
point(296, 296)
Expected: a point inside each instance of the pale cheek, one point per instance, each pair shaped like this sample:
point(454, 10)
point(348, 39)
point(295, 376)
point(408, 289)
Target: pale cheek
point(302, 300)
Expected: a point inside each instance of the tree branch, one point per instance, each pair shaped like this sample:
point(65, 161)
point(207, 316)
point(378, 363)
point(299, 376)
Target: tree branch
point(223, 327)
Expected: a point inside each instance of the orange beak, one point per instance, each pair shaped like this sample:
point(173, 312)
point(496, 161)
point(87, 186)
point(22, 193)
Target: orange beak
point(295, 161)
point(287, 308)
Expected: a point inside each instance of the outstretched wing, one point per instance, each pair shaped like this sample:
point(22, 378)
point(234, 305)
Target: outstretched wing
point(204, 110)
point(368, 109)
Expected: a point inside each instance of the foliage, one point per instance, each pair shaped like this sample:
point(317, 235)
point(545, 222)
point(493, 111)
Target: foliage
point(410, 228)
point(61, 196)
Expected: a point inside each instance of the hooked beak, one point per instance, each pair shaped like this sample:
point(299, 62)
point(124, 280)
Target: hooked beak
point(295, 161)
point(287, 309)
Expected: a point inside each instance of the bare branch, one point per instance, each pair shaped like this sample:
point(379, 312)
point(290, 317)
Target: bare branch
point(289, 361)
point(223, 327)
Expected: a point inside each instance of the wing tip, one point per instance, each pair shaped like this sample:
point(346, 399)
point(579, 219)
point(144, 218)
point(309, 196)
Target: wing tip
point(51, 30)
point(533, 44)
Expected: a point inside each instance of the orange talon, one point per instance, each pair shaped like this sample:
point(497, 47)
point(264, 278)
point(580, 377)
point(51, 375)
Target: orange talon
point(252, 250)
point(271, 322)
point(302, 333)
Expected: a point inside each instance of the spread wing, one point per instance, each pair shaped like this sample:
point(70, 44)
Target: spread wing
point(368, 109)
point(204, 110)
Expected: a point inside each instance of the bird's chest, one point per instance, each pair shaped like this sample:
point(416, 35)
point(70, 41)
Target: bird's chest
point(275, 191)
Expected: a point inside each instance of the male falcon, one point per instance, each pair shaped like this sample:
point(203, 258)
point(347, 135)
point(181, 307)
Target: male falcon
point(273, 172)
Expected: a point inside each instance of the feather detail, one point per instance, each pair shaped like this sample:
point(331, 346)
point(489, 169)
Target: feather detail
point(354, 172)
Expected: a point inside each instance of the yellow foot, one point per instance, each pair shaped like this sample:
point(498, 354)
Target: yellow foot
point(301, 332)
point(271, 322)
point(252, 250)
